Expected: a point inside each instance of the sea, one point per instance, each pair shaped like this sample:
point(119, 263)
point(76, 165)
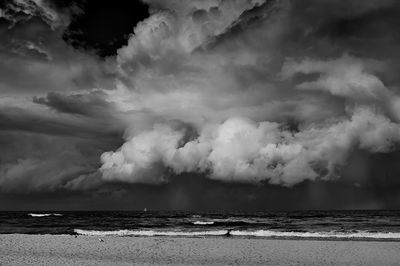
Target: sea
point(327, 225)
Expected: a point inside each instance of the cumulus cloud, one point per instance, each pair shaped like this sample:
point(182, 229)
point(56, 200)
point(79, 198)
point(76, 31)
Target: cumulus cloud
point(138, 158)
point(346, 77)
point(258, 115)
point(245, 151)
point(249, 91)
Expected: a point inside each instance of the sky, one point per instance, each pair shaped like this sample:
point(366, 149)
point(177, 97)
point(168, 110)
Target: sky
point(203, 105)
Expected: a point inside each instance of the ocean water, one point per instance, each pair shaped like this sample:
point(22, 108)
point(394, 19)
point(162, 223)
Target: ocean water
point(354, 225)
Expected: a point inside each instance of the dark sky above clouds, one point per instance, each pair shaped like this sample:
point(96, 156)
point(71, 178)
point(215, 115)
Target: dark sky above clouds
point(202, 104)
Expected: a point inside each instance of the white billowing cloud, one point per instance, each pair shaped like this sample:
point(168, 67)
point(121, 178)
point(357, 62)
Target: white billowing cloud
point(244, 151)
point(347, 77)
point(182, 27)
point(137, 159)
point(158, 68)
point(188, 65)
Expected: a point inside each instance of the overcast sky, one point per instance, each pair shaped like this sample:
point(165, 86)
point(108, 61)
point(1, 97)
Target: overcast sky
point(199, 104)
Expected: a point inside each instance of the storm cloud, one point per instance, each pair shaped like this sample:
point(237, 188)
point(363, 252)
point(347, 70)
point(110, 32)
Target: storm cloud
point(220, 67)
point(254, 94)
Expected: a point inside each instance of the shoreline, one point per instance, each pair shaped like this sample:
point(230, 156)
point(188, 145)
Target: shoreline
point(340, 239)
point(25, 249)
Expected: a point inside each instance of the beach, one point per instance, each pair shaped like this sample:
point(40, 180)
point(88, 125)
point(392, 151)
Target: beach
point(20, 249)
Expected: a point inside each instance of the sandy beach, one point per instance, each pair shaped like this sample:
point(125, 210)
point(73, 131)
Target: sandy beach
point(88, 250)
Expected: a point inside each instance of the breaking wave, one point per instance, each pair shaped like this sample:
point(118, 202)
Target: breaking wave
point(325, 235)
point(245, 233)
point(203, 222)
point(150, 233)
point(44, 214)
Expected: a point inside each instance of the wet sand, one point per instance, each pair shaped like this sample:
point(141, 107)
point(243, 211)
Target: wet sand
point(88, 250)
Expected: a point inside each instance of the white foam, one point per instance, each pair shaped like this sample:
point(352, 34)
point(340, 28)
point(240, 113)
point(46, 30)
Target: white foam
point(149, 233)
point(203, 222)
point(244, 233)
point(43, 214)
point(339, 235)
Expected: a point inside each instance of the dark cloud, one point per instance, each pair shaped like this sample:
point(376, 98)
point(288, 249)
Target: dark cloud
point(207, 105)
point(31, 162)
point(191, 192)
point(22, 120)
point(54, 13)
point(92, 103)
point(54, 143)
point(34, 59)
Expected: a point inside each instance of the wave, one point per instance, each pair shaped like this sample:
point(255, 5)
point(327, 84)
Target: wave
point(43, 214)
point(245, 233)
point(335, 235)
point(203, 222)
point(150, 233)
point(229, 222)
